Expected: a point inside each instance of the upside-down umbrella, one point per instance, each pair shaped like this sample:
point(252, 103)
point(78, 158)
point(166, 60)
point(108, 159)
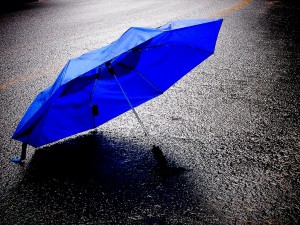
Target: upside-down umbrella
point(102, 84)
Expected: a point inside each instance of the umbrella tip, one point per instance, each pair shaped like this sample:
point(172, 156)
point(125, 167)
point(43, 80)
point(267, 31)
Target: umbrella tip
point(17, 160)
point(21, 159)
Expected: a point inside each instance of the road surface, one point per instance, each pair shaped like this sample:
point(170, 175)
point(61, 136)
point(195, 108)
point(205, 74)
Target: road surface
point(232, 123)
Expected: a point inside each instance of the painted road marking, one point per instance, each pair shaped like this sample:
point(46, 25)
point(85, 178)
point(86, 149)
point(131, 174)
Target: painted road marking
point(230, 10)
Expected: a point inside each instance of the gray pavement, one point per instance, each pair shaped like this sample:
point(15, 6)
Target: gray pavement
point(232, 123)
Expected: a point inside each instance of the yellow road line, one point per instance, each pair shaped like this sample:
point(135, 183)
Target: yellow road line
point(219, 14)
point(230, 10)
point(19, 80)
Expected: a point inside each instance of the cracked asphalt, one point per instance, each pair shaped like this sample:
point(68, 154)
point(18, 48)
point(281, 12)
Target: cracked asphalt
point(232, 123)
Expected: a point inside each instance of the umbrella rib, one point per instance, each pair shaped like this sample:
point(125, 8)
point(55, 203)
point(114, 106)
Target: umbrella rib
point(139, 73)
point(91, 95)
point(131, 106)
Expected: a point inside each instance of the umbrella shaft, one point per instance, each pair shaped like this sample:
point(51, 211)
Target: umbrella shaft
point(132, 108)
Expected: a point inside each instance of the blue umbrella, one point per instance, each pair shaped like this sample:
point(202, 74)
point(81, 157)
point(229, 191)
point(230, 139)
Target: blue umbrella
point(102, 84)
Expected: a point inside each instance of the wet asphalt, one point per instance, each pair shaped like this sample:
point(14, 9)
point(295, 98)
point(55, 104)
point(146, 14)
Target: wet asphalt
point(230, 127)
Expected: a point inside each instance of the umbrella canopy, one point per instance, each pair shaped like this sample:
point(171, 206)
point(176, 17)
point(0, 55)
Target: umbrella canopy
point(102, 84)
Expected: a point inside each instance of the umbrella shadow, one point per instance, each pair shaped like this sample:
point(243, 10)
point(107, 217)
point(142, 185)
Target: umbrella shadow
point(78, 160)
point(97, 179)
point(100, 159)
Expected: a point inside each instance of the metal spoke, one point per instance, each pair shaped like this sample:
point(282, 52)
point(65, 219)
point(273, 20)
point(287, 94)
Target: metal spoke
point(131, 106)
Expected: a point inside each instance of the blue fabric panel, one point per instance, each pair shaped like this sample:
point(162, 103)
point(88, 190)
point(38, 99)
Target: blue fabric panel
point(110, 98)
point(166, 74)
point(68, 115)
point(131, 38)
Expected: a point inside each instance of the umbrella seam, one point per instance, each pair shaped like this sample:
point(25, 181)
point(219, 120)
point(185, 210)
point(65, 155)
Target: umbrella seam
point(63, 75)
point(187, 46)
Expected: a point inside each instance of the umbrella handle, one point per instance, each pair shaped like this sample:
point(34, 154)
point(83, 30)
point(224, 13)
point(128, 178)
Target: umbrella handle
point(160, 158)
